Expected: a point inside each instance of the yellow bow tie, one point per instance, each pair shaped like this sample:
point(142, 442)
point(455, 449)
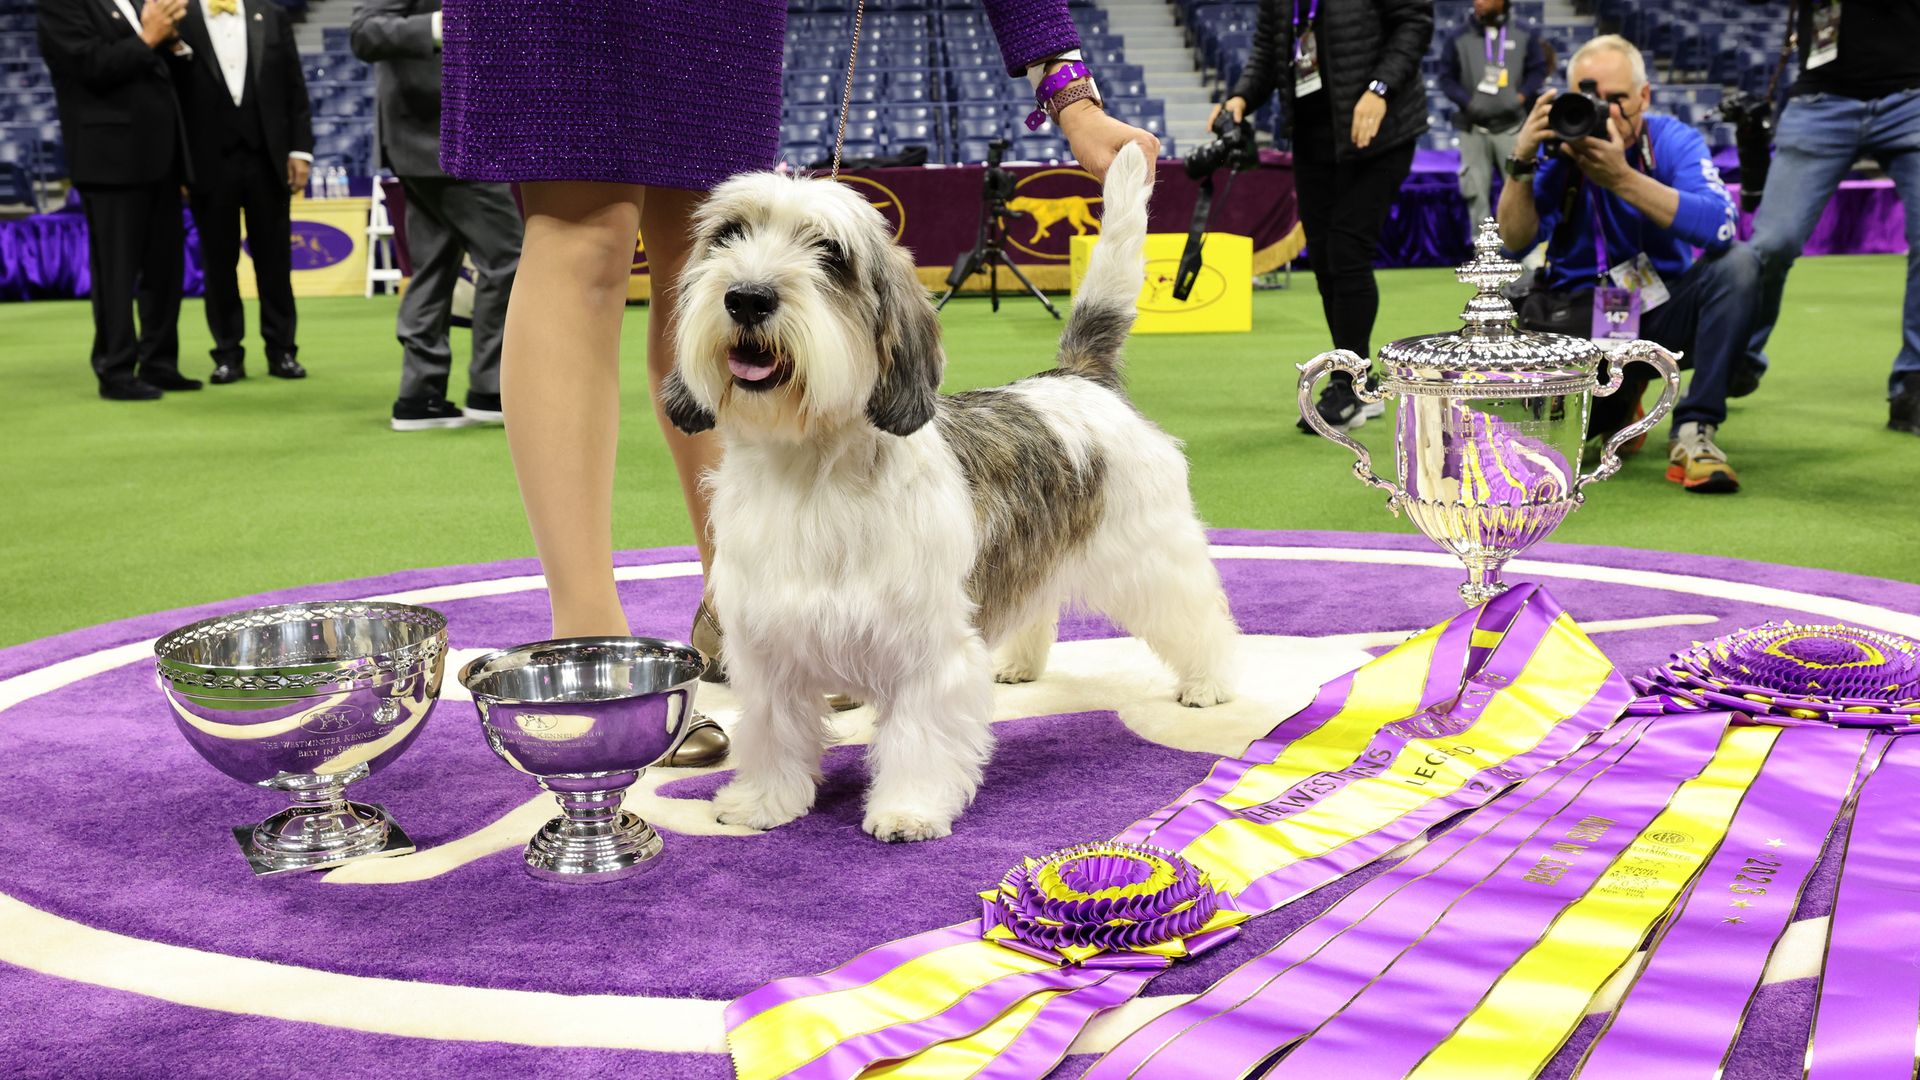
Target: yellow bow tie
point(223, 7)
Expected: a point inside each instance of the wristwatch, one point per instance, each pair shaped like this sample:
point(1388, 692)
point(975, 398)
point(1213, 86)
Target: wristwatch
point(1519, 168)
point(1378, 86)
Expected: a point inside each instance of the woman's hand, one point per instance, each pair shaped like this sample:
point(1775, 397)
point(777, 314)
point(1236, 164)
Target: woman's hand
point(1235, 106)
point(1367, 114)
point(1096, 137)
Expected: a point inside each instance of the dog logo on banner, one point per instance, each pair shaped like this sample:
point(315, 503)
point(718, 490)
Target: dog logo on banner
point(881, 198)
point(1052, 197)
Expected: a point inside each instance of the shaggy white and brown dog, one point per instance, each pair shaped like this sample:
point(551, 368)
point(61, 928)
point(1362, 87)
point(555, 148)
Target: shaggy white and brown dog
point(876, 538)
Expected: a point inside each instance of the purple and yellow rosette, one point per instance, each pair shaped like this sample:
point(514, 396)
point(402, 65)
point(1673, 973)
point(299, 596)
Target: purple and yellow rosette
point(1108, 905)
point(1790, 673)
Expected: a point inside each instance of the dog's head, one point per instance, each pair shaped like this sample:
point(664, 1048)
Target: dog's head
point(797, 312)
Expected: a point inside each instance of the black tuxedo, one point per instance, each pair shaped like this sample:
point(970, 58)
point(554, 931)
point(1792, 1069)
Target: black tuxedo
point(127, 155)
point(239, 154)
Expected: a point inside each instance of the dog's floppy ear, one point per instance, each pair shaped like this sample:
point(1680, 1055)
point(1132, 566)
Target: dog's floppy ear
point(678, 402)
point(911, 363)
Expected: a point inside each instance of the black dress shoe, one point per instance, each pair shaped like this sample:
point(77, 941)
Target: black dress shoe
point(169, 380)
point(285, 367)
point(227, 373)
point(129, 389)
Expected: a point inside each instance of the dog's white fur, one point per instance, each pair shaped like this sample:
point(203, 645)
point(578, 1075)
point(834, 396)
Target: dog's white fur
point(843, 551)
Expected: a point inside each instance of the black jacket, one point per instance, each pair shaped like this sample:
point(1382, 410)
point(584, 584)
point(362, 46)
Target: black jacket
point(397, 35)
point(1360, 41)
point(276, 87)
point(118, 115)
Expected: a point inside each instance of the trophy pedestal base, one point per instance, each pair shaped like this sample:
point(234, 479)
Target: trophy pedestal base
point(563, 851)
point(388, 840)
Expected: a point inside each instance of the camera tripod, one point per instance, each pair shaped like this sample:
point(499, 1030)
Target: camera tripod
point(989, 252)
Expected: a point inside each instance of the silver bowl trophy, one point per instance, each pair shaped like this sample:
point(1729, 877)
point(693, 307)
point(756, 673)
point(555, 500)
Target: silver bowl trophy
point(306, 699)
point(585, 717)
point(1491, 424)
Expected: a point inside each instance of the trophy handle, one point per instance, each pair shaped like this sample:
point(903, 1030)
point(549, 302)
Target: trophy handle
point(1311, 373)
point(1668, 364)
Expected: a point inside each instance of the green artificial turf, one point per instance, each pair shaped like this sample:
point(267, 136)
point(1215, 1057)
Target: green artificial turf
point(114, 509)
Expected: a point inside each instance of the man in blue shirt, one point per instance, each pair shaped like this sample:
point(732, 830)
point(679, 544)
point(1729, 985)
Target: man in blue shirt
point(1628, 210)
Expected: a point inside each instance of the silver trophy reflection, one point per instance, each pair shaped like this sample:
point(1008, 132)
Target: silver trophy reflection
point(306, 699)
point(1491, 423)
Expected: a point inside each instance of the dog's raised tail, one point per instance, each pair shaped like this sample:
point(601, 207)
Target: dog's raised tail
point(1103, 309)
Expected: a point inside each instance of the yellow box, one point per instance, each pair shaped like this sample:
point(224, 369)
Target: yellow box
point(1222, 297)
point(329, 249)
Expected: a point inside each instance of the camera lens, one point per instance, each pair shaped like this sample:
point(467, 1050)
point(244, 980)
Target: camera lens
point(1575, 116)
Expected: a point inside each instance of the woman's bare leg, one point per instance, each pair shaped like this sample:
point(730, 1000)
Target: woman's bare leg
point(560, 388)
point(666, 223)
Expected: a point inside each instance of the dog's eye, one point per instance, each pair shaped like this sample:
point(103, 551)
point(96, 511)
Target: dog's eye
point(726, 232)
point(834, 258)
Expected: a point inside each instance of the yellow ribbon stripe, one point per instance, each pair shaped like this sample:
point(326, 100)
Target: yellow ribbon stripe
point(961, 1058)
point(1387, 688)
point(1523, 1020)
point(783, 1038)
point(1564, 674)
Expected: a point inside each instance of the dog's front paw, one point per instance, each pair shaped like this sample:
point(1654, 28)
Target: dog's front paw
point(1014, 671)
point(1200, 695)
point(903, 826)
point(749, 804)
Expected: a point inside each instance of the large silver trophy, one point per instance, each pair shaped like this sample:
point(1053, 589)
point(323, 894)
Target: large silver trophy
point(1491, 424)
point(585, 717)
point(306, 699)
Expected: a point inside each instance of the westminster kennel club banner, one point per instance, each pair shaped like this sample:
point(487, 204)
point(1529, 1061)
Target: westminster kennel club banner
point(1593, 828)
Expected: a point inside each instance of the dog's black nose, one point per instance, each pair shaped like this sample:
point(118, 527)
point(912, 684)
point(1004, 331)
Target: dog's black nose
point(751, 304)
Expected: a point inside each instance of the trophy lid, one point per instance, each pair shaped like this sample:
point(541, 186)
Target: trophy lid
point(1489, 344)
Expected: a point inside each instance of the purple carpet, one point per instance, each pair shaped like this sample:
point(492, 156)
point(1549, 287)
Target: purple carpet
point(109, 820)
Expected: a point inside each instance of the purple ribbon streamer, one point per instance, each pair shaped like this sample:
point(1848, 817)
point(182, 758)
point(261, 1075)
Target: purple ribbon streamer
point(1459, 906)
point(1525, 614)
point(1683, 1011)
point(1436, 985)
point(1863, 1026)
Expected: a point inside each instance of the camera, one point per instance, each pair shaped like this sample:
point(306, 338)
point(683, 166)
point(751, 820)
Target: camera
point(1577, 114)
point(1232, 146)
point(999, 183)
point(1752, 120)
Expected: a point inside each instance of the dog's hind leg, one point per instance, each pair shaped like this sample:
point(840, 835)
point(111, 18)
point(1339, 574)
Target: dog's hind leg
point(1169, 596)
point(1022, 657)
point(931, 740)
point(776, 756)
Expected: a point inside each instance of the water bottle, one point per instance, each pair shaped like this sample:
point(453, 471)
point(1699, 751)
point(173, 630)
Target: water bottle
point(336, 181)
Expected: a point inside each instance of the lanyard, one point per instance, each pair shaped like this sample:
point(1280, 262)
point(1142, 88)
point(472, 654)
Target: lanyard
point(1312, 11)
point(1491, 55)
point(1599, 231)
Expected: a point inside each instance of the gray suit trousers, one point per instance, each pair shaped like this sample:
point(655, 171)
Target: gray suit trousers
point(1482, 153)
point(446, 219)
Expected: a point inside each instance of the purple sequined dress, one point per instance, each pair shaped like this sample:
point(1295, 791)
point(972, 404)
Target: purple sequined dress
point(673, 93)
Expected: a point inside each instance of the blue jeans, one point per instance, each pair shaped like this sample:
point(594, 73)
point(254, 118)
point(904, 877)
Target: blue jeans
point(1708, 315)
point(1818, 139)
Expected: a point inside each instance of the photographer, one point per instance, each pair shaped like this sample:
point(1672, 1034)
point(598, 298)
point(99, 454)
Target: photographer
point(1858, 93)
point(1494, 70)
point(1621, 211)
point(1349, 82)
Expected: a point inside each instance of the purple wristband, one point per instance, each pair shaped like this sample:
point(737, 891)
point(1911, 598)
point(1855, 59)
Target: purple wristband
point(1070, 72)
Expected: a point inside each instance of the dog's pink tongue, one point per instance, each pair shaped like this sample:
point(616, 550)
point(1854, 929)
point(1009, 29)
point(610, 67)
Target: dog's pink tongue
point(749, 370)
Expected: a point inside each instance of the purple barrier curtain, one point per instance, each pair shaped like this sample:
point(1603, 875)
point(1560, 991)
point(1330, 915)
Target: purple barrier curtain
point(935, 212)
point(44, 257)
